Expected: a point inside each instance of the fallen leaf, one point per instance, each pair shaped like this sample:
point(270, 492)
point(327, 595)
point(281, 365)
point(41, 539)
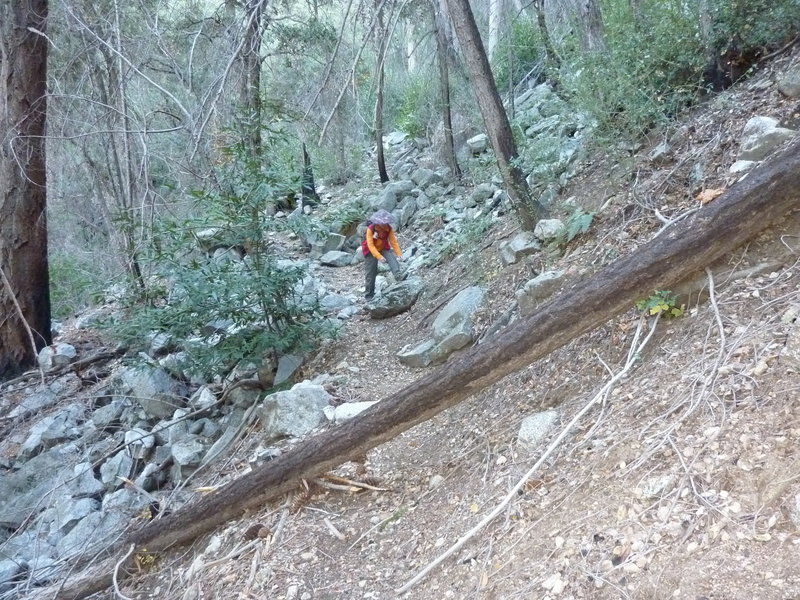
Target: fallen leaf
point(707, 196)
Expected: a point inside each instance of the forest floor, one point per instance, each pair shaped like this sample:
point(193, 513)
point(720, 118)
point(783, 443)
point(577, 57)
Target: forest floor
point(684, 482)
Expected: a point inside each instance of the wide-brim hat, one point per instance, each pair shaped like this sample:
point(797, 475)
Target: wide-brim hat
point(382, 217)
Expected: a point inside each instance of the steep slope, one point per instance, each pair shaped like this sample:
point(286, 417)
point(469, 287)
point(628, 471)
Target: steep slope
point(681, 483)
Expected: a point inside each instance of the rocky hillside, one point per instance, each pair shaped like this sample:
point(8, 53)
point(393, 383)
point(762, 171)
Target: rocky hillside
point(651, 458)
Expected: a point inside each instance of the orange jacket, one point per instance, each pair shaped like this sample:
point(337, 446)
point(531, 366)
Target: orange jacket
point(377, 241)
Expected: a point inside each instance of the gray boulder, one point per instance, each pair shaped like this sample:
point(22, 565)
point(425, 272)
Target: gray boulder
point(405, 212)
point(535, 428)
point(452, 330)
point(160, 344)
point(288, 364)
point(43, 569)
point(548, 230)
point(231, 424)
point(457, 312)
point(294, 412)
point(188, 451)
point(421, 355)
point(425, 178)
point(482, 192)
point(227, 255)
point(523, 244)
point(202, 398)
point(741, 166)
point(109, 416)
point(478, 144)
point(67, 512)
point(789, 82)
point(791, 349)
point(83, 483)
point(396, 299)
point(154, 390)
point(537, 289)
point(139, 442)
point(336, 258)
point(22, 491)
point(54, 429)
point(394, 138)
point(9, 570)
point(401, 188)
point(334, 241)
point(40, 399)
point(387, 200)
point(349, 410)
point(94, 531)
point(661, 154)
point(56, 355)
point(119, 465)
point(334, 302)
point(762, 135)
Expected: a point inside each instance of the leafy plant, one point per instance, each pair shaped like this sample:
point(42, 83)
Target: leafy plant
point(578, 223)
point(472, 233)
point(243, 304)
point(662, 302)
point(416, 109)
point(74, 281)
point(518, 54)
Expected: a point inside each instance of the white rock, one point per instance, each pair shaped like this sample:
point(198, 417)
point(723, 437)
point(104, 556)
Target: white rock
point(348, 410)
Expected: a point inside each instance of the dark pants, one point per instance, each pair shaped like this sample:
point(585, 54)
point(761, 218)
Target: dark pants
point(371, 270)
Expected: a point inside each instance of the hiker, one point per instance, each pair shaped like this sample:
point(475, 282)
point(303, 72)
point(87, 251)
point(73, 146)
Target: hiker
point(380, 243)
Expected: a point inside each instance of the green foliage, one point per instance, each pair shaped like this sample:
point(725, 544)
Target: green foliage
point(74, 282)
point(348, 213)
point(416, 108)
point(258, 298)
point(662, 302)
point(518, 53)
point(651, 68)
point(754, 23)
point(578, 223)
point(472, 234)
point(656, 60)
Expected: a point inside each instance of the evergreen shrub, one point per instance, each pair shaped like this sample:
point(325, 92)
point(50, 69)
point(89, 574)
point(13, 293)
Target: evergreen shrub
point(259, 298)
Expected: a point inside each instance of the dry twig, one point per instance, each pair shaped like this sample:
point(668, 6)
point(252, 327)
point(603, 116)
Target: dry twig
point(116, 571)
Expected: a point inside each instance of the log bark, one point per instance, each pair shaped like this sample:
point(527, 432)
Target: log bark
point(763, 199)
point(25, 297)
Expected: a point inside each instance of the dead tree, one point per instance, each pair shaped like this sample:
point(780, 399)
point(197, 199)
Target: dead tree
point(764, 198)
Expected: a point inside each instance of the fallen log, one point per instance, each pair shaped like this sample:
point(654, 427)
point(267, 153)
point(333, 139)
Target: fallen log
point(761, 200)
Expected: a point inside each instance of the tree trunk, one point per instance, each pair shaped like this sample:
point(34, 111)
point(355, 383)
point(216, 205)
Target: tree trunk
point(590, 26)
point(308, 189)
point(23, 198)
point(498, 128)
point(553, 59)
point(444, 93)
point(382, 35)
point(250, 88)
point(761, 200)
point(497, 18)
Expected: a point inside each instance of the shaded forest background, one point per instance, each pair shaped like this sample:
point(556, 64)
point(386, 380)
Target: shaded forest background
point(167, 118)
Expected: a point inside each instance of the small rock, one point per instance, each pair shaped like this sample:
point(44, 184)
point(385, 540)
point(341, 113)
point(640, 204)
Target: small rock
point(478, 144)
point(548, 230)
point(56, 355)
point(336, 258)
point(435, 481)
point(348, 410)
point(535, 427)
